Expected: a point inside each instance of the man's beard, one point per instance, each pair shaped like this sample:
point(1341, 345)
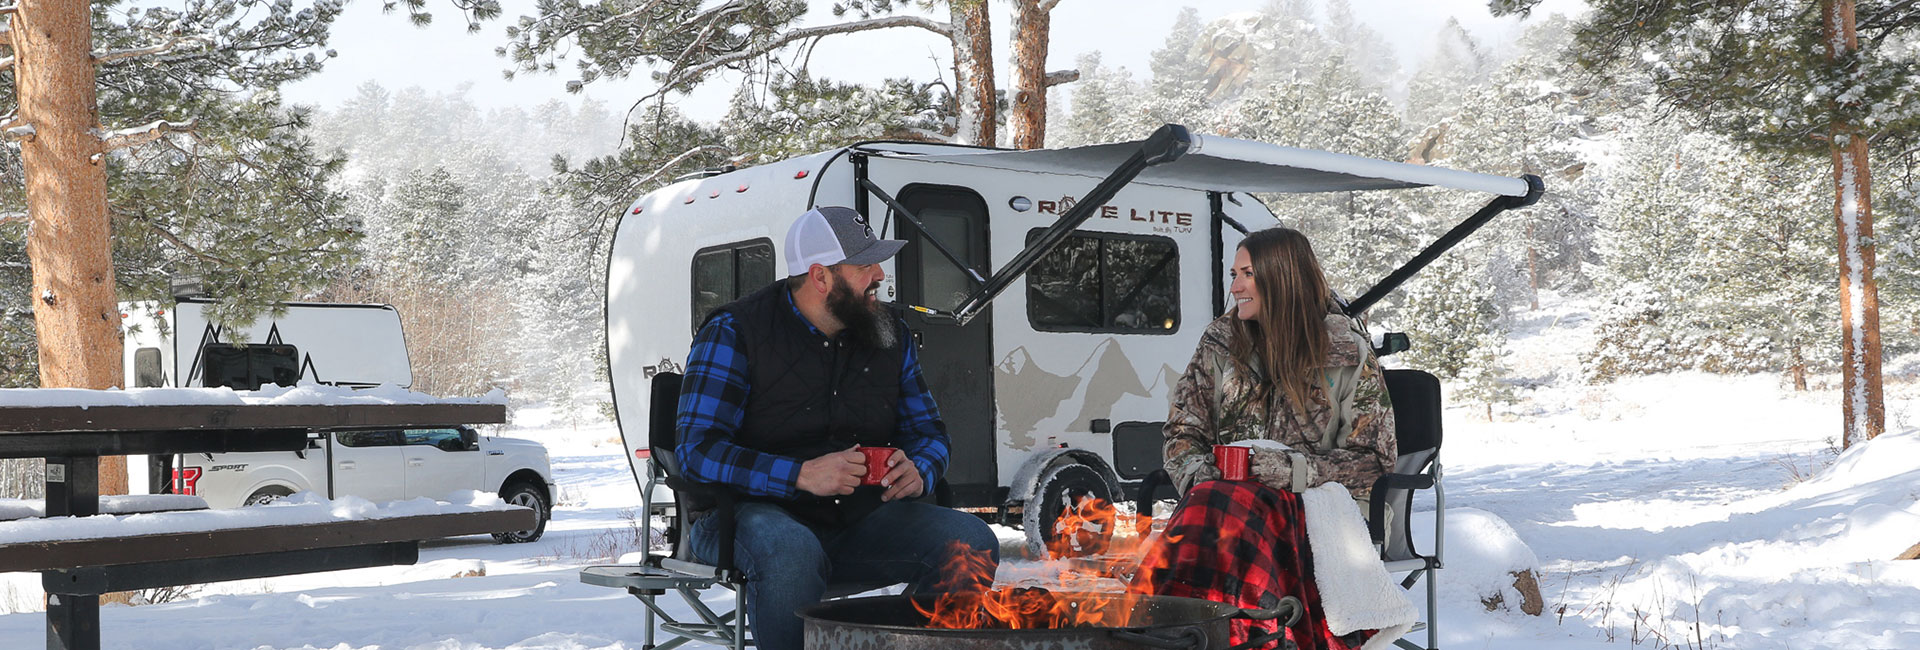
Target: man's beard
point(864, 325)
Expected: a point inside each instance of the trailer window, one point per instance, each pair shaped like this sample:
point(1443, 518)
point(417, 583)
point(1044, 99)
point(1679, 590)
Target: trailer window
point(248, 367)
point(146, 368)
point(722, 274)
point(1106, 282)
point(943, 285)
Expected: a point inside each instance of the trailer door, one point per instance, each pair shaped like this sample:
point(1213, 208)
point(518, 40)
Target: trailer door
point(957, 361)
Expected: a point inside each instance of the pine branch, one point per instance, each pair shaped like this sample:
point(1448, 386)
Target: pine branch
point(169, 46)
point(1048, 5)
point(634, 13)
point(13, 217)
point(144, 133)
point(1058, 77)
point(676, 76)
point(167, 235)
point(6, 62)
point(20, 133)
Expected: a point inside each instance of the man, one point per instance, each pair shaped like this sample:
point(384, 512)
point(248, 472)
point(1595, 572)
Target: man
point(781, 387)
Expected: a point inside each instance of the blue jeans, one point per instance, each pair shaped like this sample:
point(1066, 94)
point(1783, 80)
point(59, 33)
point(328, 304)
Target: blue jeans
point(788, 563)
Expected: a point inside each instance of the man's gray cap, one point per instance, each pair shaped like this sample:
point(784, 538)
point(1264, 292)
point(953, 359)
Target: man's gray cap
point(832, 235)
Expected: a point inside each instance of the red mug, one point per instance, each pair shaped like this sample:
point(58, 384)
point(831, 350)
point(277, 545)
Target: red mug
point(1233, 461)
point(876, 464)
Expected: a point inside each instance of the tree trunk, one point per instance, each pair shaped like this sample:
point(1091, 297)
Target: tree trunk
point(74, 312)
point(973, 72)
point(1027, 119)
point(1853, 216)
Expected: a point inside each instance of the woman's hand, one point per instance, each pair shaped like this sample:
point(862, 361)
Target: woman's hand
point(1273, 467)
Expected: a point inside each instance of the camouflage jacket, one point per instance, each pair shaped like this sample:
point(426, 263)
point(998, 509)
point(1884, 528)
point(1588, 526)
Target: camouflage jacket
point(1348, 438)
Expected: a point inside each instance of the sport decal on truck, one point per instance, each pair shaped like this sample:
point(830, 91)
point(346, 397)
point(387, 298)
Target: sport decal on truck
point(184, 480)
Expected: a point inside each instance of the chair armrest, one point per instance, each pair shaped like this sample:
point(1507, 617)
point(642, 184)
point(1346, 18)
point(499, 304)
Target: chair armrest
point(1377, 500)
point(1143, 501)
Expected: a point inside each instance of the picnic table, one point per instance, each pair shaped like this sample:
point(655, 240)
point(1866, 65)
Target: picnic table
point(75, 570)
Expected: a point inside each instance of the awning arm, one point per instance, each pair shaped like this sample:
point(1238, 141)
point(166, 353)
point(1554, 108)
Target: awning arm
point(1167, 144)
point(1535, 188)
point(927, 235)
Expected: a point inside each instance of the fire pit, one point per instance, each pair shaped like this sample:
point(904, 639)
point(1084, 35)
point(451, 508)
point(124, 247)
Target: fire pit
point(1117, 622)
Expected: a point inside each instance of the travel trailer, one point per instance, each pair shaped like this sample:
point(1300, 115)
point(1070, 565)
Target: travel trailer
point(1056, 294)
point(326, 343)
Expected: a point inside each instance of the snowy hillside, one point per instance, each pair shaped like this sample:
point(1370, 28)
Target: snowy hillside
point(1663, 511)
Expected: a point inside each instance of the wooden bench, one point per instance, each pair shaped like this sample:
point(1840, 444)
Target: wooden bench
point(98, 565)
point(76, 568)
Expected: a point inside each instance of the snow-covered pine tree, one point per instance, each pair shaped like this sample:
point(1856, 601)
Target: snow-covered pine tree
point(1447, 77)
point(1763, 291)
point(1788, 77)
point(1646, 236)
point(1359, 236)
point(1177, 93)
point(1448, 314)
point(1367, 53)
point(1104, 106)
point(1532, 118)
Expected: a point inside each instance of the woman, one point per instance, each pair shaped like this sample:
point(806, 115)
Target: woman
point(1285, 364)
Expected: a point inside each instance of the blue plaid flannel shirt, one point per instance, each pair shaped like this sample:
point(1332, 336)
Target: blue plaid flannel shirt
point(713, 401)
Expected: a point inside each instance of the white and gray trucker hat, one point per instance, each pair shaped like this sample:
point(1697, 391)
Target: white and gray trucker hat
point(832, 235)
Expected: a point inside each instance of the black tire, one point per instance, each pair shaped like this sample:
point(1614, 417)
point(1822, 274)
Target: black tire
point(1059, 486)
point(522, 493)
point(266, 495)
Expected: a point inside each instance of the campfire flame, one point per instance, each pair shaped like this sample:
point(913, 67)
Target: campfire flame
point(1083, 551)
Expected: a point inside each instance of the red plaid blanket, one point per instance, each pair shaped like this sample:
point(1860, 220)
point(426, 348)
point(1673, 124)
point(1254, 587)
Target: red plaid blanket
point(1236, 542)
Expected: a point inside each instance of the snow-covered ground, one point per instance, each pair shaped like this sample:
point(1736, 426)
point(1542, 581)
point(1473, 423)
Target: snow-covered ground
point(1668, 511)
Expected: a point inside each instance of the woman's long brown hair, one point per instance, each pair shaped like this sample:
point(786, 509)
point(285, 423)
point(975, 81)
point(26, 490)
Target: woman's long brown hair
point(1289, 334)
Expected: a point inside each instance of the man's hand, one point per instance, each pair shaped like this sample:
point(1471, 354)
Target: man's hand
point(903, 478)
point(833, 474)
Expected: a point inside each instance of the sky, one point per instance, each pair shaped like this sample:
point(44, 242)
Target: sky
point(444, 57)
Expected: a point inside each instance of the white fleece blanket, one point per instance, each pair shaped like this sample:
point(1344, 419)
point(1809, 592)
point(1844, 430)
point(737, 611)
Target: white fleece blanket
point(1355, 591)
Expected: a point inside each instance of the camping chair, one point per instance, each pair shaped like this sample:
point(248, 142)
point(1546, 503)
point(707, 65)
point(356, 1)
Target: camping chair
point(679, 571)
point(1416, 424)
point(1416, 416)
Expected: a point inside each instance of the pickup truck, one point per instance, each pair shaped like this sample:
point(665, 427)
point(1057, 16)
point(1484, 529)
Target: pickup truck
point(381, 465)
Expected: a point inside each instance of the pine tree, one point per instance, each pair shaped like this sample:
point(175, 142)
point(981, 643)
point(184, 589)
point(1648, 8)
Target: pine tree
point(1448, 315)
point(1178, 89)
point(219, 180)
point(1446, 78)
point(1788, 77)
point(1104, 106)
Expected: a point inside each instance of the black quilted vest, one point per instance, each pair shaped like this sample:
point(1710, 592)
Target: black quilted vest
point(809, 395)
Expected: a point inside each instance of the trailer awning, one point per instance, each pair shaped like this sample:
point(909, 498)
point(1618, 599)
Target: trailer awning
point(1229, 164)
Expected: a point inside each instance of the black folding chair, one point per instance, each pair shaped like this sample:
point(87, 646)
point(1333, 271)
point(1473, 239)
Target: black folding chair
point(678, 571)
point(1416, 419)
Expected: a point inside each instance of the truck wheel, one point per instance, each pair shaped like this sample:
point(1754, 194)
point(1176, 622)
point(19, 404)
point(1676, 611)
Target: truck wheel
point(266, 495)
point(1059, 488)
point(521, 493)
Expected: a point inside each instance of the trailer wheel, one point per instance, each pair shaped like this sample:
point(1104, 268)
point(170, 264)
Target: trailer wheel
point(266, 495)
point(521, 493)
point(1060, 487)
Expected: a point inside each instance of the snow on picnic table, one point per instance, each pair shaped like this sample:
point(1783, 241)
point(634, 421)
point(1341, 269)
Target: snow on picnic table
point(305, 394)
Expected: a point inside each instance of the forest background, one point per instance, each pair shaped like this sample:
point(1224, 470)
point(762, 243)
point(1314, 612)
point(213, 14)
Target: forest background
point(488, 228)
